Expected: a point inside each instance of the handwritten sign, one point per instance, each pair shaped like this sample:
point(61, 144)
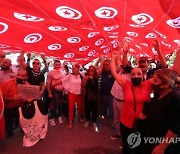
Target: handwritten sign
point(29, 91)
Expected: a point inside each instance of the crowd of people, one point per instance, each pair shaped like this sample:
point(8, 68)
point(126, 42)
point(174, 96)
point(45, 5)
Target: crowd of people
point(131, 99)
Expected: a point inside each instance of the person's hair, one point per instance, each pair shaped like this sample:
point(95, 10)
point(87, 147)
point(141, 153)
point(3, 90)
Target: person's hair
point(167, 76)
point(66, 68)
point(37, 60)
point(106, 61)
point(56, 61)
point(22, 69)
point(143, 59)
point(95, 71)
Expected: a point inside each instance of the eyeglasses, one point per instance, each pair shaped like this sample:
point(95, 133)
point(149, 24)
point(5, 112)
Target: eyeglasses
point(34, 63)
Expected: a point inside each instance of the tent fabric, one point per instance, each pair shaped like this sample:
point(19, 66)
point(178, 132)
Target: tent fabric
point(81, 30)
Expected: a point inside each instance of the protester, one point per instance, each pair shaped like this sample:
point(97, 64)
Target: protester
point(163, 114)
point(91, 96)
point(72, 83)
point(117, 92)
point(106, 98)
point(6, 72)
point(136, 92)
point(12, 100)
point(55, 91)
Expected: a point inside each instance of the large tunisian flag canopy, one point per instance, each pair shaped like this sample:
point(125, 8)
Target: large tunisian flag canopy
point(81, 30)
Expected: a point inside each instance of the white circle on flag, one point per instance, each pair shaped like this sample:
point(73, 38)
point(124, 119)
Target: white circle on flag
point(27, 17)
point(91, 53)
point(110, 28)
point(142, 19)
point(92, 34)
point(69, 55)
point(132, 34)
point(57, 28)
point(74, 39)
point(106, 50)
point(68, 12)
point(83, 48)
point(175, 23)
point(115, 43)
point(33, 38)
point(4, 29)
point(99, 42)
point(106, 12)
point(151, 35)
point(55, 46)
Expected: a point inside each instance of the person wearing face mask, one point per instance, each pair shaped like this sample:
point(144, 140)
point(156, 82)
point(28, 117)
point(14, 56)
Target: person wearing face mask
point(12, 101)
point(163, 114)
point(136, 92)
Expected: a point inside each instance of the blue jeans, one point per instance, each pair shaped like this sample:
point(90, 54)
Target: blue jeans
point(57, 105)
point(106, 108)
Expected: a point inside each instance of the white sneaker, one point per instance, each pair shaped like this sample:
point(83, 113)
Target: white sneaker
point(60, 120)
point(52, 122)
point(95, 127)
point(86, 124)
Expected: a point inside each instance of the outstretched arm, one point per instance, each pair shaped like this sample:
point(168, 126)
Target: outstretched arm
point(45, 69)
point(125, 47)
point(120, 80)
point(21, 60)
point(161, 57)
point(100, 69)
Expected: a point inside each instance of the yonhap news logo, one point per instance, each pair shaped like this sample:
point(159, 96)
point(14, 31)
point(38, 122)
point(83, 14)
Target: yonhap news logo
point(135, 139)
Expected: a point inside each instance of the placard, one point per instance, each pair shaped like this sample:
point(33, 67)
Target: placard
point(29, 91)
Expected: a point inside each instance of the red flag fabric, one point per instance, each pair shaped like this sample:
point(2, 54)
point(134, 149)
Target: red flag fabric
point(82, 30)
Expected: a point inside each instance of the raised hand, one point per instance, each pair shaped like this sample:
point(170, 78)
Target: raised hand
point(156, 45)
point(114, 54)
point(43, 56)
point(125, 46)
point(29, 55)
